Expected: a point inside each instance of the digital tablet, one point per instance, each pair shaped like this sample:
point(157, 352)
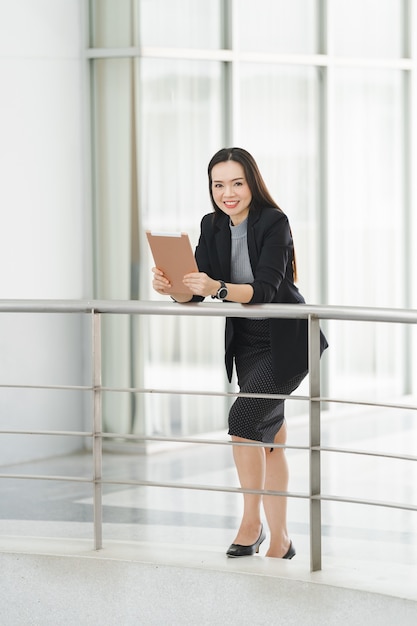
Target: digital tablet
point(173, 255)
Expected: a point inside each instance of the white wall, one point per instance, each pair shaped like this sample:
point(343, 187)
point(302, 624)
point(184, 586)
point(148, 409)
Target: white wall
point(44, 234)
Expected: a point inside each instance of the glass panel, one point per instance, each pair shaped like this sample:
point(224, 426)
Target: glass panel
point(278, 125)
point(181, 127)
point(367, 178)
point(366, 224)
point(180, 23)
point(278, 122)
point(111, 23)
point(366, 28)
point(277, 26)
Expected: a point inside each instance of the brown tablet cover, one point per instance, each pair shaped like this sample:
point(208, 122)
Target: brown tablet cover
point(173, 255)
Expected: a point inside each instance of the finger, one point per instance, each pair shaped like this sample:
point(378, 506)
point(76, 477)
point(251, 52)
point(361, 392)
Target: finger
point(160, 279)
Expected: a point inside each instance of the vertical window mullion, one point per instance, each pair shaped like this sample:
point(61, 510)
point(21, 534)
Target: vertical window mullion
point(409, 28)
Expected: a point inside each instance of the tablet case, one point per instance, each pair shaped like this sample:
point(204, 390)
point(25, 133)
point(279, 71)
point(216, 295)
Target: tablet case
point(172, 253)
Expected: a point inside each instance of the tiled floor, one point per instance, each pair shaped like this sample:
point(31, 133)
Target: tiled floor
point(365, 547)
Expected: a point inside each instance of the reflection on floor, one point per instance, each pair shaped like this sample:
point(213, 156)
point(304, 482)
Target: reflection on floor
point(364, 547)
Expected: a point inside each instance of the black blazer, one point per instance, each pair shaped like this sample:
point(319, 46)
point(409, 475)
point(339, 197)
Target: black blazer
point(270, 247)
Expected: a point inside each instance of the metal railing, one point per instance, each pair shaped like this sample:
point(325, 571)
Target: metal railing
point(314, 314)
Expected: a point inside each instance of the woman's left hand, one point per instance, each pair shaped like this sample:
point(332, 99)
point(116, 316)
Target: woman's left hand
point(200, 284)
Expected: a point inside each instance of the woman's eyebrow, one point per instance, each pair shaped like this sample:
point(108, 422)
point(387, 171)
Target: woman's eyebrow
point(232, 180)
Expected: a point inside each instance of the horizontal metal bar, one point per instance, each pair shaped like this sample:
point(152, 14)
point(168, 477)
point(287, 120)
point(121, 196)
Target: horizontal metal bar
point(384, 455)
point(71, 479)
point(216, 488)
point(205, 309)
point(220, 394)
point(188, 392)
point(264, 492)
point(371, 403)
point(194, 487)
point(149, 483)
point(217, 442)
point(200, 392)
point(46, 306)
point(64, 433)
point(384, 504)
point(49, 387)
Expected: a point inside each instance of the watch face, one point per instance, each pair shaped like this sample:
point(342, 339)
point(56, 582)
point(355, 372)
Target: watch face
point(222, 293)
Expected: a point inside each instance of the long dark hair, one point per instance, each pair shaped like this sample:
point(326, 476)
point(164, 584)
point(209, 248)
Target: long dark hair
point(261, 198)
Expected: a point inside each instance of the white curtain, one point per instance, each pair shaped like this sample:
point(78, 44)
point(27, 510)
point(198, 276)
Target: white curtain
point(180, 130)
point(366, 225)
point(279, 124)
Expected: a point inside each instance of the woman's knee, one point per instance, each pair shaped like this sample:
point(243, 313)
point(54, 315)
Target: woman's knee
point(280, 438)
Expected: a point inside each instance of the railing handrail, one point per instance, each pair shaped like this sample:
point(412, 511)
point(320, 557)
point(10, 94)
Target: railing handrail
point(226, 309)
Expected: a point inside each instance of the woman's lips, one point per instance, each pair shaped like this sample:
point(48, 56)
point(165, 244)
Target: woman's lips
point(231, 205)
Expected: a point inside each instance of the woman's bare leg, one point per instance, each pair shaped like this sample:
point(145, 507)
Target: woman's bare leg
point(276, 479)
point(250, 465)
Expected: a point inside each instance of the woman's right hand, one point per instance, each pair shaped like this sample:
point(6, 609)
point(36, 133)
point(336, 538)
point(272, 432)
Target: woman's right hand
point(160, 283)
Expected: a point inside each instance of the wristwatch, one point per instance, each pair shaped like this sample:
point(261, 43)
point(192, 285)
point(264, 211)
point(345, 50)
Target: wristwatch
point(222, 292)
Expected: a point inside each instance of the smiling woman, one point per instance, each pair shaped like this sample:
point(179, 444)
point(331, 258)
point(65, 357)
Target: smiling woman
point(245, 254)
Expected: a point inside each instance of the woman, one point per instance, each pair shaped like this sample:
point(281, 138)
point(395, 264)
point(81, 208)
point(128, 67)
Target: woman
point(245, 254)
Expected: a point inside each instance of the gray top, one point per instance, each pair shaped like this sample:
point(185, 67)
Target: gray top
point(241, 271)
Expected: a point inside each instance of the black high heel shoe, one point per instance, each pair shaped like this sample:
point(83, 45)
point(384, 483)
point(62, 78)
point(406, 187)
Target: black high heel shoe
point(290, 552)
point(235, 549)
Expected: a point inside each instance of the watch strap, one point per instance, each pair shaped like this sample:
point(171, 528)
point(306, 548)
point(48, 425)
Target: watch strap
point(221, 288)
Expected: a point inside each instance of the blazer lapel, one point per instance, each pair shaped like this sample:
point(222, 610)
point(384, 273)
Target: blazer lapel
point(253, 217)
point(222, 239)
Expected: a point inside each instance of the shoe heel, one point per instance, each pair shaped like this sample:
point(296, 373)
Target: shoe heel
point(290, 553)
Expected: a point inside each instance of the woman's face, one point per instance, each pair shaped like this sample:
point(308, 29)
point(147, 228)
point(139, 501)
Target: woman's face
point(230, 190)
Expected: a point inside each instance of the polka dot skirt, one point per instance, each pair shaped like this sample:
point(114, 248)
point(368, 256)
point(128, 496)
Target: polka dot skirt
point(258, 419)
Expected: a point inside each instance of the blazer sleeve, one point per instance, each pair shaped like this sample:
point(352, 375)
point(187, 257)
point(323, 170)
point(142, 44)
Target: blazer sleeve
point(275, 246)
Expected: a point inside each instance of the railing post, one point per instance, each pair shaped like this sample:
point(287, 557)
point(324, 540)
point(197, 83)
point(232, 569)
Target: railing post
point(315, 442)
point(97, 431)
